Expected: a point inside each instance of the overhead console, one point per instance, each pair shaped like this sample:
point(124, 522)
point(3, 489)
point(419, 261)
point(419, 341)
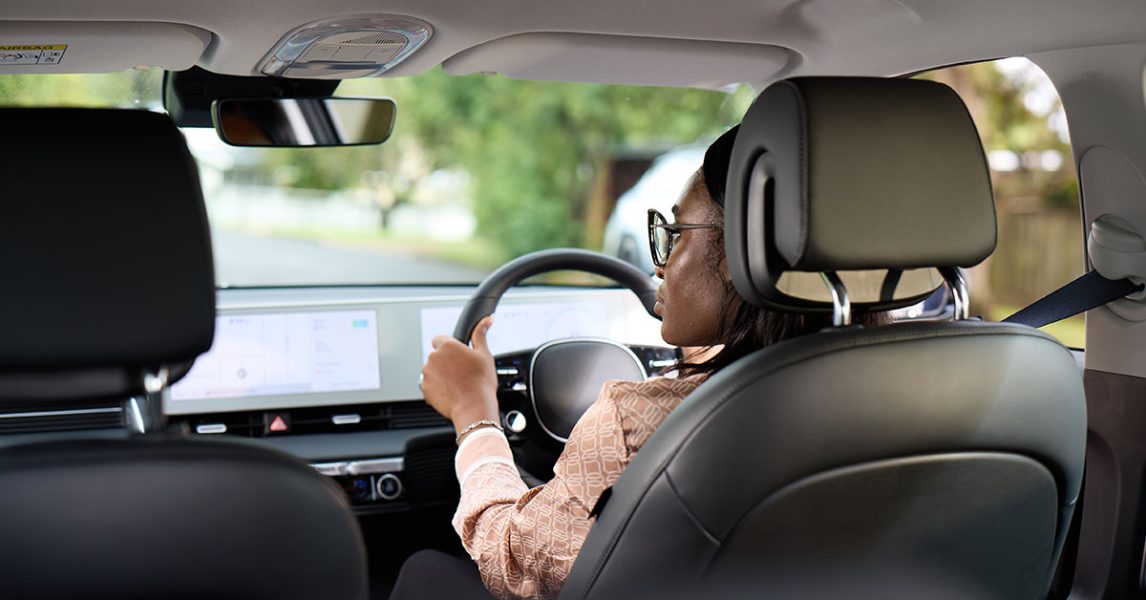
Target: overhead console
point(345, 48)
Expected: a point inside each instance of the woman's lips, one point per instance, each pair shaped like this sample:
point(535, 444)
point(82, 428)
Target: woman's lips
point(659, 306)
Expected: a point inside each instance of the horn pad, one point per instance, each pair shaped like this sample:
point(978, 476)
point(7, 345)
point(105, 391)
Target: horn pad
point(565, 378)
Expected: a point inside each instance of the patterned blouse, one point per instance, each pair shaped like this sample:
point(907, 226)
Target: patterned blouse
point(524, 540)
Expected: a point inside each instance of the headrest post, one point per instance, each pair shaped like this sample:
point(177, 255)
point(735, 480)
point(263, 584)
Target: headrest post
point(958, 287)
point(144, 414)
point(841, 305)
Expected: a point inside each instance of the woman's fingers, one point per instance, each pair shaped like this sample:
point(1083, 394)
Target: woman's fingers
point(480, 332)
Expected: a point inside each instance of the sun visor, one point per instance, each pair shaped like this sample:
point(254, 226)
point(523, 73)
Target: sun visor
point(621, 59)
point(62, 47)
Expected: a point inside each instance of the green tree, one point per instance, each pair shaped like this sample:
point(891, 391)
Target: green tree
point(136, 88)
point(533, 148)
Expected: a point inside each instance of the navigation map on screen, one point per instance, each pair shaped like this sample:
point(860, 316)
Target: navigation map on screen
point(261, 355)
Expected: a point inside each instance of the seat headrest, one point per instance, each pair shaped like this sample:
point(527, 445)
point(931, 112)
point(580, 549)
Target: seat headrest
point(107, 255)
point(854, 174)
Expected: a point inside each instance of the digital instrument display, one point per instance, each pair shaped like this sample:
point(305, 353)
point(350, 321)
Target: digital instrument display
point(295, 353)
point(523, 326)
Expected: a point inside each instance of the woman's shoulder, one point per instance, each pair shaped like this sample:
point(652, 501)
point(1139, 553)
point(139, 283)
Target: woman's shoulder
point(641, 406)
point(653, 388)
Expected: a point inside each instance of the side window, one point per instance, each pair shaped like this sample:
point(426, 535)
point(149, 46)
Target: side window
point(1040, 243)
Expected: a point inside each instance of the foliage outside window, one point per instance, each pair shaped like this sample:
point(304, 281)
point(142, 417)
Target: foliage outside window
point(1019, 116)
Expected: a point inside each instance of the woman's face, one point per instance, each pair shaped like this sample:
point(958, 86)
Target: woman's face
point(690, 299)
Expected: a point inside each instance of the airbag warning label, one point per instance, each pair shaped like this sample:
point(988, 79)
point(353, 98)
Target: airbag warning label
point(31, 54)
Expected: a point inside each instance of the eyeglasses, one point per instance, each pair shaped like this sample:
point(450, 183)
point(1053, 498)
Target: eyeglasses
point(662, 234)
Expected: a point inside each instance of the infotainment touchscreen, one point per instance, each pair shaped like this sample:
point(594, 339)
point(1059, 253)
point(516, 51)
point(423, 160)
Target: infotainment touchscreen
point(290, 353)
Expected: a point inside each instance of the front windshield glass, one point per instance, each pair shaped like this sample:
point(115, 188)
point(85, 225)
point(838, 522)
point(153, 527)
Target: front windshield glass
point(479, 170)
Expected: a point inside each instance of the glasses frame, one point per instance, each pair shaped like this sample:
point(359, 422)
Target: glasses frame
point(658, 221)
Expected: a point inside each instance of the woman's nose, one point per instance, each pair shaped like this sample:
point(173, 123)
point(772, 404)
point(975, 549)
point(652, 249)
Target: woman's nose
point(660, 272)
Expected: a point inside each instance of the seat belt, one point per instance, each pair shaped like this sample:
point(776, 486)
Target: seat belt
point(1089, 291)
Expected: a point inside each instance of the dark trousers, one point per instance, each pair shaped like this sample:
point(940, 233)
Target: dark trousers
point(434, 575)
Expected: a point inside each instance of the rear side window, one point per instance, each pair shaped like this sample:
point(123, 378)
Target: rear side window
point(1040, 244)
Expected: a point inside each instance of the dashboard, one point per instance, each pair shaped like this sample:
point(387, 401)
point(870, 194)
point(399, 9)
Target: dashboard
point(331, 375)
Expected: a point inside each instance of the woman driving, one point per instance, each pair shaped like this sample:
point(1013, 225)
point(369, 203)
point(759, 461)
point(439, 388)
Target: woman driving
point(524, 541)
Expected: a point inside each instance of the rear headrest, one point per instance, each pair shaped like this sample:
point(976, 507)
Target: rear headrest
point(107, 265)
point(854, 174)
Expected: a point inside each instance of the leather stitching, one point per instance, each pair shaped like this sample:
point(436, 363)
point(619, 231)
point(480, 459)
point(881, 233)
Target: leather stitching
point(691, 515)
point(802, 133)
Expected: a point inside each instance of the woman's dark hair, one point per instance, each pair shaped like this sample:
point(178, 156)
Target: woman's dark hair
point(744, 327)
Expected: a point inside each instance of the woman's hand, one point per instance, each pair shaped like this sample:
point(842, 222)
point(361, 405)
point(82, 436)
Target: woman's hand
point(461, 382)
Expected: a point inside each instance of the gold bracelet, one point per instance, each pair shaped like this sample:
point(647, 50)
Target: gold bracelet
point(477, 425)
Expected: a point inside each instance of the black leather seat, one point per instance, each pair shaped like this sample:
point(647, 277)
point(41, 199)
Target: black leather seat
point(920, 460)
point(109, 294)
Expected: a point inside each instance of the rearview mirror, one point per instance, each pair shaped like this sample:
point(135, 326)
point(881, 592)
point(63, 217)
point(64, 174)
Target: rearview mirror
point(294, 122)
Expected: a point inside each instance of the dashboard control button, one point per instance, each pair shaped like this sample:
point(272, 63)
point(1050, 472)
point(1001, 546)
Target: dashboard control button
point(507, 371)
point(210, 428)
point(332, 469)
point(346, 419)
point(520, 386)
point(276, 423)
point(388, 486)
point(358, 488)
point(515, 421)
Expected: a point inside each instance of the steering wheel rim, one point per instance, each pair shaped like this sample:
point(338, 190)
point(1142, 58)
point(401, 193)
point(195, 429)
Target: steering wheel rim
point(488, 294)
point(537, 446)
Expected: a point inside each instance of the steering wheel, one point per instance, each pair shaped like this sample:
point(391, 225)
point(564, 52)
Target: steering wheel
point(542, 393)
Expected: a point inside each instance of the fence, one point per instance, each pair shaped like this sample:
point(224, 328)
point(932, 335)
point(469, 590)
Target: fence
point(1038, 250)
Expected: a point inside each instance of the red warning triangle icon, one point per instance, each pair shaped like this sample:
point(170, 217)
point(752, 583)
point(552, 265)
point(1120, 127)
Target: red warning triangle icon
point(278, 425)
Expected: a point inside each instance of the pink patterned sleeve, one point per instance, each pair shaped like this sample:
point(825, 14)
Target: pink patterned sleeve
point(524, 541)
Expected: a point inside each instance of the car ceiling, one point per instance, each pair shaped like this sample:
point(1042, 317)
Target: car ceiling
point(674, 42)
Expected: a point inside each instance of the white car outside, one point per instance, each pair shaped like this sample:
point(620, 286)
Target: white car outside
point(626, 233)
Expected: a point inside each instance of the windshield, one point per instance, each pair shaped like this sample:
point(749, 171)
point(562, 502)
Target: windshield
point(479, 170)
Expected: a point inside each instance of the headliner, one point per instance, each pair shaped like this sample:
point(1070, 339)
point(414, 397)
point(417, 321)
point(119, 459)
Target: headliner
point(753, 41)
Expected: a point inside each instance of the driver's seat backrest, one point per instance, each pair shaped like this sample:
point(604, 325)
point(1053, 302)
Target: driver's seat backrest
point(914, 460)
point(109, 284)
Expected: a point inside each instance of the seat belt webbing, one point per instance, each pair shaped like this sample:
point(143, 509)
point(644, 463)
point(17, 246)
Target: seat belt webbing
point(1089, 291)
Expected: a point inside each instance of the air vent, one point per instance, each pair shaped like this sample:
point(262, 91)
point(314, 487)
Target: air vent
point(406, 416)
point(107, 417)
point(327, 419)
point(429, 476)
